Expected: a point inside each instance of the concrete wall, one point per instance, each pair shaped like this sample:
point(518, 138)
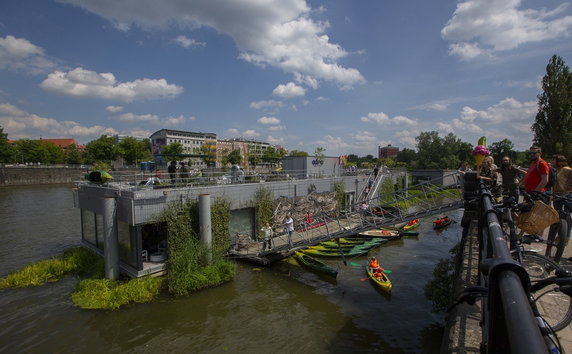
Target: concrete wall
point(16, 176)
point(142, 205)
point(309, 166)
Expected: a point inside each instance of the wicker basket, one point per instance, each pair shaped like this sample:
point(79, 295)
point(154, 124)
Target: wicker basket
point(537, 219)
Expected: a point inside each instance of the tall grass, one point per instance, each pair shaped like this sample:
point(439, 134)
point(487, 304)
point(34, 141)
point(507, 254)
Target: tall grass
point(78, 261)
point(110, 295)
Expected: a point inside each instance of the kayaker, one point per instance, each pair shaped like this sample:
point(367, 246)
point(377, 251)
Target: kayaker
point(378, 272)
point(266, 236)
point(373, 263)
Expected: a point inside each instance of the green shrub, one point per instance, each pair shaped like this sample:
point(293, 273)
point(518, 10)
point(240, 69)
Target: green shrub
point(108, 294)
point(79, 261)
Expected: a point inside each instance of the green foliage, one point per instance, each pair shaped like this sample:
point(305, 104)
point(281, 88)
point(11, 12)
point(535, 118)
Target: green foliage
point(262, 201)
point(73, 155)
point(320, 154)
point(173, 149)
point(6, 150)
point(187, 266)
point(298, 153)
point(273, 155)
point(110, 295)
point(435, 152)
point(133, 150)
point(100, 166)
point(406, 155)
point(102, 149)
point(552, 127)
point(233, 158)
point(78, 261)
point(386, 192)
point(501, 148)
point(440, 289)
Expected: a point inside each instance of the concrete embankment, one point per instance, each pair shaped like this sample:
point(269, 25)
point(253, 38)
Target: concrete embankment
point(18, 176)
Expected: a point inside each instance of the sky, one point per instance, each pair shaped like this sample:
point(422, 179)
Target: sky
point(344, 75)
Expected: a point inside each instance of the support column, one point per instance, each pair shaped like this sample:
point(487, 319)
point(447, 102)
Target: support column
point(110, 240)
point(205, 232)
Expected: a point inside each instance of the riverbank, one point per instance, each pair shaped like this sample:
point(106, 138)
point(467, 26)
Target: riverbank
point(39, 175)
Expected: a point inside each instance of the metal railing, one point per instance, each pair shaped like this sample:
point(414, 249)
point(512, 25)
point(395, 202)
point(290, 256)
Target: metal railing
point(509, 325)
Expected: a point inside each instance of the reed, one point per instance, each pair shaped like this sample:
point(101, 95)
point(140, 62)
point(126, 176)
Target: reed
point(79, 261)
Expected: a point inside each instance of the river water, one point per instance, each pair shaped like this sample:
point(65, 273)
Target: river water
point(281, 309)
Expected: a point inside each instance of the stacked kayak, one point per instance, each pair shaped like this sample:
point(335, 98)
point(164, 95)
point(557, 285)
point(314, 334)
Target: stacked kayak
point(314, 264)
point(352, 252)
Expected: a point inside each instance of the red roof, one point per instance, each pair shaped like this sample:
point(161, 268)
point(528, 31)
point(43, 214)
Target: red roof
point(63, 143)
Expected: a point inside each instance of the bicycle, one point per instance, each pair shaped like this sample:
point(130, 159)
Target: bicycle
point(537, 266)
point(559, 233)
point(563, 281)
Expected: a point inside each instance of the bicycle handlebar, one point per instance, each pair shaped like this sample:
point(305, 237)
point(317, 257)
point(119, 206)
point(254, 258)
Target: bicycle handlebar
point(563, 278)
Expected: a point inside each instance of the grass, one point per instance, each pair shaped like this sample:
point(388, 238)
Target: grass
point(110, 295)
point(77, 261)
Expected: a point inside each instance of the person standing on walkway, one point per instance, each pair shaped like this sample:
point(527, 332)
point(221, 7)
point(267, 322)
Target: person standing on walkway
point(536, 176)
point(511, 176)
point(462, 170)
point(562, 188)
point(289, 225)
point(172, 169)
point(266, 236)
point(184, 173)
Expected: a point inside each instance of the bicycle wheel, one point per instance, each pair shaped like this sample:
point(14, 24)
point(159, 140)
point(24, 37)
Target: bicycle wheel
point(536, 265)
point(554, 306)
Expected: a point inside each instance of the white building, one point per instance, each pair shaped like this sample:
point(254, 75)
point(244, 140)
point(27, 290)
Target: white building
point(192, 143)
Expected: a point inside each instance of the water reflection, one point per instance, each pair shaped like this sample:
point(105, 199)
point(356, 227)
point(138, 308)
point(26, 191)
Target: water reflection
point(284, 308)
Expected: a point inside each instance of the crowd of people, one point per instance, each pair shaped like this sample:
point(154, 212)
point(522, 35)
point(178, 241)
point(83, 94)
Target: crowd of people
point(540, 176)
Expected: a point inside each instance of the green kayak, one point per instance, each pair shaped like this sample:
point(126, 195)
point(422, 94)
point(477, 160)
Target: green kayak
point(314, 264)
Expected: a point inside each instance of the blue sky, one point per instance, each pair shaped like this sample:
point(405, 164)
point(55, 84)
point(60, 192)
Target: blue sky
point(345, 75)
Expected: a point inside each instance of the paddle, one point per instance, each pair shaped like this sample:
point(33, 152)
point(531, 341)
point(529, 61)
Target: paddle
point(342, 252)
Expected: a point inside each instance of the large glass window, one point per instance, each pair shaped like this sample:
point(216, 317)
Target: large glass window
point(127, 243)
point(88, 227)
point(99, 228)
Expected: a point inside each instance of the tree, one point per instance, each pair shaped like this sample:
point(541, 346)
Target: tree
point(501, 148)
point(49, 153)
point(133, 150)
point(434, 152)
point(552, 127)
point(406, 156)
point(172, 149)
point(298, 153)
point(26, 150)
point(6, 150)
point(73, 155)
point(103, 149)
point(233, 158)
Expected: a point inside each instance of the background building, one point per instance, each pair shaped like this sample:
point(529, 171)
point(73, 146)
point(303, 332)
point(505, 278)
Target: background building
point(387, 152)
point(248, 148)
point(193, 144)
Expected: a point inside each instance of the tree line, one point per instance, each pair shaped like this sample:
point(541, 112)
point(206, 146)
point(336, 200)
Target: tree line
point(552, 131)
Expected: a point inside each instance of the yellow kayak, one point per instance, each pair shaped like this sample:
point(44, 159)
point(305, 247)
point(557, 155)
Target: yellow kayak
point(383, 283)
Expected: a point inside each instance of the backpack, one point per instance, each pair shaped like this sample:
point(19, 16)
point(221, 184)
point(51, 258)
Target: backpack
point(552, 175)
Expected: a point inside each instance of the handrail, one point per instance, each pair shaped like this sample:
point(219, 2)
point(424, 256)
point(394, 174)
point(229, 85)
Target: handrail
point(509, 323)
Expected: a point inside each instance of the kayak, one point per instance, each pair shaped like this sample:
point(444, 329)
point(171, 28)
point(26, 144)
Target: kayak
point(411, 225)
point(351, 253)
point(380, 233)
point(383, 283)
point(442, 223)
point(98, 177)
point(314, 264)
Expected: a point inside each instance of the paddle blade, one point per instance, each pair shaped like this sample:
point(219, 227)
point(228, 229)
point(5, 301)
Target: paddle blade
point(363, 279)
point(355, 264)
point(387, 271)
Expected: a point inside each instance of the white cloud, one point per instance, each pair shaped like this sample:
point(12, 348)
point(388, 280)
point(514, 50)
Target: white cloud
point(444, 128)
point(268, 120)
point(90, 84)
point(251, 133)
point(186, 42)
point(270, 104)
point(274, 140)
point(279, 33)
point(290, 90)
point(500, 25)
point(466, 126)
point(434, 106)
point(19, 54)
point(154, 119)
point(114, 109)
point(233, 132)
point(383, 119)
point(364, 137)
point(277, 128)
point(19, 124)
point(507, 110)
